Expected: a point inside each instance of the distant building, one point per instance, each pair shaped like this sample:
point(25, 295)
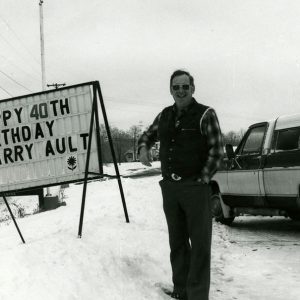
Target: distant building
point(154, 154)
point(155, 151)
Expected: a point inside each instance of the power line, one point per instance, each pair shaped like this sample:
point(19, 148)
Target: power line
point(3, 89)
point(16, 81)
point(24, 46)
point(17, 51)
point(113, 100)
point(124, 109)
point(21, 42)
point(18, 67)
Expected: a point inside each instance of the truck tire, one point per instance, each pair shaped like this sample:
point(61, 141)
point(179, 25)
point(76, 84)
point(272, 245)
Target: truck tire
point(294, 215)
point(217, 211)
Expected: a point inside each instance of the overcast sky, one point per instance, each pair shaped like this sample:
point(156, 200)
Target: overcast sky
point(244, 55)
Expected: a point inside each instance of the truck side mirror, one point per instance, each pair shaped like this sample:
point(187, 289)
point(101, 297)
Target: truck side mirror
point(229, 151)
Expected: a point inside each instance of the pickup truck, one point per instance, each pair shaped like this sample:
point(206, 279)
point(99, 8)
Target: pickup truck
point(262, 176)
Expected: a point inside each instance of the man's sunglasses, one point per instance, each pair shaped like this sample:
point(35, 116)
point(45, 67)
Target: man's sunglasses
point(185, 87)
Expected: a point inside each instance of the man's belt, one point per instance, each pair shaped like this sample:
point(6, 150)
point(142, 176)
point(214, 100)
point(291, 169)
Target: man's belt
point(175, 177)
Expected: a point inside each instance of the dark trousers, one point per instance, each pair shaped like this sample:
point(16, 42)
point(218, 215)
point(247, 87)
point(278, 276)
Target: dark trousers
point(187, 208)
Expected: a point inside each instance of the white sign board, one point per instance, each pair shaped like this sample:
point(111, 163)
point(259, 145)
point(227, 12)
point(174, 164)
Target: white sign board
point(44, 138)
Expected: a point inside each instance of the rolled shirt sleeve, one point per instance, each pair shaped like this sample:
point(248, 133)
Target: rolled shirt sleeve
point(150, 136)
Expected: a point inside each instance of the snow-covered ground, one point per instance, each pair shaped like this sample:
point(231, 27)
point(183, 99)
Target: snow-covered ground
point(117, 260)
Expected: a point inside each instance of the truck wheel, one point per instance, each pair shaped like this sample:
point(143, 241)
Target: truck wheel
point(217, 211)
point(294, 215)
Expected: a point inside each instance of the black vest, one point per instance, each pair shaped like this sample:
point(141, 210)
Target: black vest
point(183, 148)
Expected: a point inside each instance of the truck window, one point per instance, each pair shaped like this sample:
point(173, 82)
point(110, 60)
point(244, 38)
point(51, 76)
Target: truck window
point(286, 139)
point(254, 140)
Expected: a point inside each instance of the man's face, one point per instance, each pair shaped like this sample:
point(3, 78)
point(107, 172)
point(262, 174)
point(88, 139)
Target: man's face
point(182, 91)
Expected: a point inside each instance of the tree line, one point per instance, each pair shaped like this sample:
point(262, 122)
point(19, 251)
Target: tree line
point(233, 137)
point(125, 141)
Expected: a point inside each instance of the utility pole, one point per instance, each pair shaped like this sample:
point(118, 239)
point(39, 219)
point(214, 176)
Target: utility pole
point(42, 45)
point(43, 54)
point(56, 85)
point(43, 58)
point(48, 197)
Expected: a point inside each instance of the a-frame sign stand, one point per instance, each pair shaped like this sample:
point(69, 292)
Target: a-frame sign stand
point(97, 96)
point(94, 115)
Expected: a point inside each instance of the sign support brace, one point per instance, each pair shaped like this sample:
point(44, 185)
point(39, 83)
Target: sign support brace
point(13, 218)
point(94, 114)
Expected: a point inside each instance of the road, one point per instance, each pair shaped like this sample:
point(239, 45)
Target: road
point(265, 253)
point(265, 231)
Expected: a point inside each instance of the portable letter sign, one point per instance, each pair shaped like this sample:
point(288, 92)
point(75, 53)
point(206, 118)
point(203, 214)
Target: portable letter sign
point(53, 137)
point(44, 138)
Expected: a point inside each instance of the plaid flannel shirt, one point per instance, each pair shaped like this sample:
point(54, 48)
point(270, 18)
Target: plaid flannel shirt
point(210, 128)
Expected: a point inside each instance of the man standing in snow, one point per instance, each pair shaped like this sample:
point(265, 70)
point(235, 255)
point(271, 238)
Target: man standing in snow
point(190, 153)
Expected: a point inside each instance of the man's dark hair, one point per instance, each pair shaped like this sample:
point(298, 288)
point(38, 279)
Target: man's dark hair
point(179, 73)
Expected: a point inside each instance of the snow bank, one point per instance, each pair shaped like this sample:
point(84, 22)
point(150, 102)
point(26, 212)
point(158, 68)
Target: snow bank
point(113, 259)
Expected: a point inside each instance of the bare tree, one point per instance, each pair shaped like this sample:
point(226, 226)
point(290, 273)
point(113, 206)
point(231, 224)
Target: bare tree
point(135, 132)
point(233, 137)
point(121, 143)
